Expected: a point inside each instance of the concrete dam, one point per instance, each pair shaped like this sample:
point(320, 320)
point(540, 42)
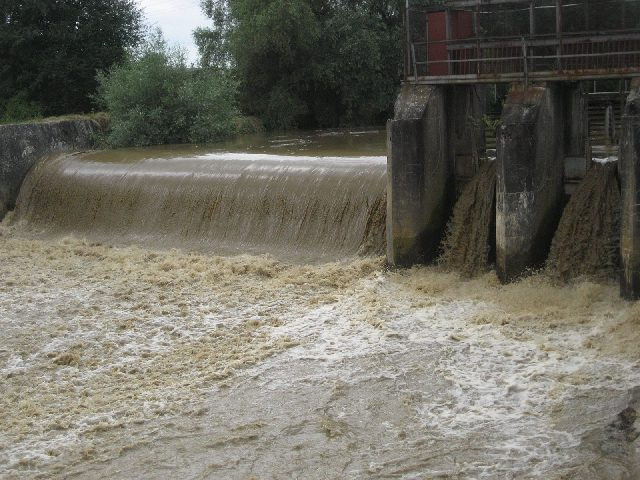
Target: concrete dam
point(297, 207)
point(325, 198)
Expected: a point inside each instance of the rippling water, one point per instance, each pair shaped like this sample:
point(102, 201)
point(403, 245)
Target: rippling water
point(123, 360)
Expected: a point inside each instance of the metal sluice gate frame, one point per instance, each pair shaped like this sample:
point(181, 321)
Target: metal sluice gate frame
point(493, 41)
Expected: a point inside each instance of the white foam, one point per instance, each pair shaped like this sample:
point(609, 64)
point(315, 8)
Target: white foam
point(265, 157)
point(603, 160)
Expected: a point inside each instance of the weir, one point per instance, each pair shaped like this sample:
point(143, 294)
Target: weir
point(293, 206)
point(554, 123)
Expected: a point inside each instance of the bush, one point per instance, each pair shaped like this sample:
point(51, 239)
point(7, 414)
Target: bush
point(155, 98)
point(19, 108)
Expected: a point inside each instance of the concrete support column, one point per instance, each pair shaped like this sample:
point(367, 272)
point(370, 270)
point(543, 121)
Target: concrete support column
point(466, 139)
point(529, 177)
point(629, 169)
point(419, 176)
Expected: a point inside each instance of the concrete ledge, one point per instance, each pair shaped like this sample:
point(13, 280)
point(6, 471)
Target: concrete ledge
point(22, 145)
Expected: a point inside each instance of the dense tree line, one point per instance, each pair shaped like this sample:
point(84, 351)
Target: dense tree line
point(51, 51)
point(304, 63)
point(298, 63)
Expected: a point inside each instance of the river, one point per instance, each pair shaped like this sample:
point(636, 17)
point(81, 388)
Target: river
point(136, 356)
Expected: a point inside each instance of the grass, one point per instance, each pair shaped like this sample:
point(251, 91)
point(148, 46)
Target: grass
point(101, 117)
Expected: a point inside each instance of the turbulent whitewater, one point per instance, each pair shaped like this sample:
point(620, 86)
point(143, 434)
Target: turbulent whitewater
point(470, 238)
point(587, 241)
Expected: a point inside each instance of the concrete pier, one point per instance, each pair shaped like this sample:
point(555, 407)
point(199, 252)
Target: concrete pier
point(530, 165)
point(429, 139)
point(629, 170)
point(419, 176)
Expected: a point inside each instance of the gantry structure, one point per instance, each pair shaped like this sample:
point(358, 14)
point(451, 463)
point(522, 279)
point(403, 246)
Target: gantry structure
point(491, 41)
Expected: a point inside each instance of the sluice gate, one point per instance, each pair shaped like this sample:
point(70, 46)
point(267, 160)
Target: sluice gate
point(551, 129)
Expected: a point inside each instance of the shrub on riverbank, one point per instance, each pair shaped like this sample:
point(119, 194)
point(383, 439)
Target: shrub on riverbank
point(18, 109)
point(155, 98)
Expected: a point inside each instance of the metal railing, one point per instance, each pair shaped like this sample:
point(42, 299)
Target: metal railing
point(468, 40)
point(587, 55)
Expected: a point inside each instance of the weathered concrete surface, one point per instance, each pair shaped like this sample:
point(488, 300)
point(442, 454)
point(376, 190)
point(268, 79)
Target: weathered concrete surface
point(576, 121)
point(434, 141)
point(465, 110)
point(576, 136)
point(419, 176)
point(529, 177)
point(629, 171)
point(22, 145)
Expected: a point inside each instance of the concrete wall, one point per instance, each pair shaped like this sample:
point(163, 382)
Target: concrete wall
point(530, 164)
point(434, 143)
point(419, 176)
point(465, 109)
point(22, 145)
point(576, 120)
point(629, 169)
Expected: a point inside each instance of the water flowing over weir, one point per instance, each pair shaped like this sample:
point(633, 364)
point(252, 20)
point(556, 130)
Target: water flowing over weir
point(306, 206)
point(470, 241)
point(587, 241)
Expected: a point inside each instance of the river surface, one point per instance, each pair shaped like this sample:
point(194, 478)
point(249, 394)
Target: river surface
point(133, 359)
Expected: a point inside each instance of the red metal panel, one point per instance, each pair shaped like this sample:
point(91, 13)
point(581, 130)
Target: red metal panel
point(461, 28)
point(437, 47)
point(461, 24)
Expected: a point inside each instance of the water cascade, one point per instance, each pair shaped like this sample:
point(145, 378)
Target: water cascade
point(587, 240)
point(470, 239)
point(312, 207)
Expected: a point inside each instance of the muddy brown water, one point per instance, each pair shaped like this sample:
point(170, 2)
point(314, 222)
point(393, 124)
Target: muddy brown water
point(120, 359)
point(470, 237)
point(288, 196)
point(587, 241)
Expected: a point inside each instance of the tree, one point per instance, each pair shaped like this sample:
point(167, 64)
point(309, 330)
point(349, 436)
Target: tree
point(51, 50)
point(156, 98)
point(308, 62)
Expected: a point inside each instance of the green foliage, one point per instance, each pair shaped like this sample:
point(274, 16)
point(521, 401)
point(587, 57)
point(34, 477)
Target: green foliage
point(155, 98)
point(19, 108)
point(50, 50)
point(307, 63)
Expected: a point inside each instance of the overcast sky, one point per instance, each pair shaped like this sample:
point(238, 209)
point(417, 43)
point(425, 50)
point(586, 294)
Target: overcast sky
point(177, 19)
